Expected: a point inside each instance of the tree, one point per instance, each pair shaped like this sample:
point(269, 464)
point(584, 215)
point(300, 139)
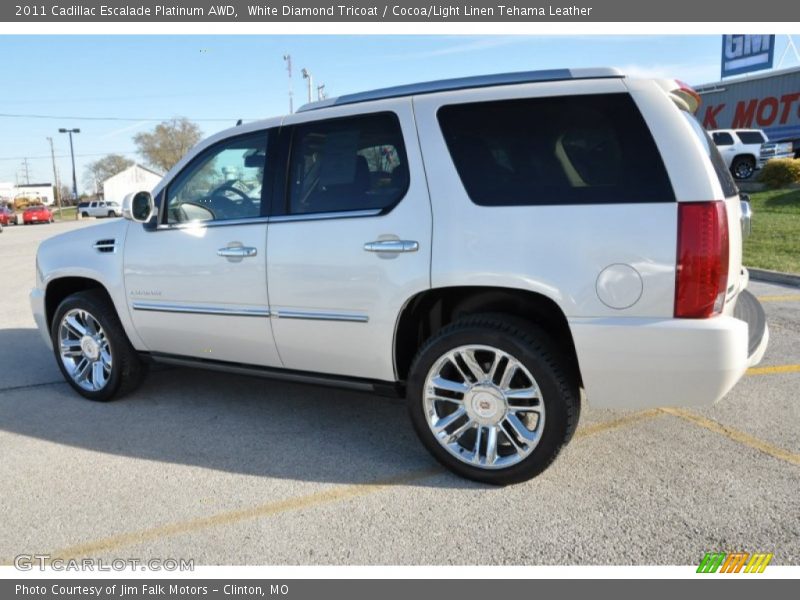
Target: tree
point(168, 142)
point(108, 166)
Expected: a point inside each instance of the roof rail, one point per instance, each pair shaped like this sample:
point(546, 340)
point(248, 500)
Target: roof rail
point(461, 83)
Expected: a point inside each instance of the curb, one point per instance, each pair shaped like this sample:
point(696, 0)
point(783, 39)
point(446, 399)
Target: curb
point(774, 277)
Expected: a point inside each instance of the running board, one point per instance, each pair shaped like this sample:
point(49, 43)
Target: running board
point(383, 388)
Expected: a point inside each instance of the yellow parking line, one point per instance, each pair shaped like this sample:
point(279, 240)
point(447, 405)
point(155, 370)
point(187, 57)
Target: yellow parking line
point(735, 435)
point(783, 298)
point(226, 518)
point(774, 370)
point(292, 504)
point(608, 425)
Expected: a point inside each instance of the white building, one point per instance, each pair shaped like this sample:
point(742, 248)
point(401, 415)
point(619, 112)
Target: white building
point(133, 179)
point(41, 192)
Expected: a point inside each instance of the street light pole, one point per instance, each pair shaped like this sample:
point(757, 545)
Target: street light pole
point(72, 154)
point(57, 192)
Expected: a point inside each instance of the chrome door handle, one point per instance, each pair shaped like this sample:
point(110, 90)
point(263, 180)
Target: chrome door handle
point(392, 246)
point(237, 252)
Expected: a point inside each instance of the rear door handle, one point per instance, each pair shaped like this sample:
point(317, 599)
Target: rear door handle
point(394, 246)
point(237, 252)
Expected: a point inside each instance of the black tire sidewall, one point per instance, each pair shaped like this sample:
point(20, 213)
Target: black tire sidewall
point(90, 303)
point(537, 360)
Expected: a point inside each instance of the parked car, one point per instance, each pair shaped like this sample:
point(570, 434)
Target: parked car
point(37, 214)
point(487, 247)
point(786, 148)
point(7, 216)
point(741, 149)
point(99, 208)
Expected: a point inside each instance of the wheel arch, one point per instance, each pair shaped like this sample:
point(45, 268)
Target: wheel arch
point(58, 289)
point(424, 314)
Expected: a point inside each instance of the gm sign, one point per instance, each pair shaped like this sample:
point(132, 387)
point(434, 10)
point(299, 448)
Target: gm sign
point(746, 53)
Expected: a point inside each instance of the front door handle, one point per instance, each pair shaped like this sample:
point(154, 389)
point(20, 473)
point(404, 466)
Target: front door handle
point(393, 246)
point(237, 252)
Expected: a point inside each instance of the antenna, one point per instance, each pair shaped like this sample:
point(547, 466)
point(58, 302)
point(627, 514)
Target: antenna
point(307, 75)
point(321, 95)
point(288, 58)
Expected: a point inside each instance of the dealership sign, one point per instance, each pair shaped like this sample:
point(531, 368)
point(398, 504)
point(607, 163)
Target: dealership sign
point(746, 53)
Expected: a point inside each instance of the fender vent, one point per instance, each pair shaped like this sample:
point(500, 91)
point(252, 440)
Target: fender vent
point(105, 246)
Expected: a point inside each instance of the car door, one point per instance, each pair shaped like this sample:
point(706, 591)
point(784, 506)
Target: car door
point(197, 282)
point(349, 240)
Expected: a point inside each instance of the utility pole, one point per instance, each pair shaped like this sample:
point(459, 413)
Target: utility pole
point(288, 58)
point(307, 75)
point(57, 190)
point(72, 154)
point(26, 171)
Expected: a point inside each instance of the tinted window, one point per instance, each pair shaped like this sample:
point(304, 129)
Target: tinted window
point(723, 138)
point(751, 137)
point(562, 150)
point(222, 183)
point(347, 164)
point(723, 175)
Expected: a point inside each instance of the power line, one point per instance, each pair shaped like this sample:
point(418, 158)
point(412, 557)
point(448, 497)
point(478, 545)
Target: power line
point(126, 119)
point(64, 155)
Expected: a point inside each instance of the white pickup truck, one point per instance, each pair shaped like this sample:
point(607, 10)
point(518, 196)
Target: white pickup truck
point(741, 149)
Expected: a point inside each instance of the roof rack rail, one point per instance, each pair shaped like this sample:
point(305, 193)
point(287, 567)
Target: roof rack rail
point(461, 83)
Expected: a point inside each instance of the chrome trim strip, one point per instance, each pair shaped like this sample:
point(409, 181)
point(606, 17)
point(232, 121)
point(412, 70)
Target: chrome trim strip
point(200, 310)
point(203, 224)
point(343, 214)
point(321, 316)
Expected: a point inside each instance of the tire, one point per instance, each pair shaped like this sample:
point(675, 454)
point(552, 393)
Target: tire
point(85, 214)
point(743, 167)
point(111, 214)
point(500, 340)
point(122, 369)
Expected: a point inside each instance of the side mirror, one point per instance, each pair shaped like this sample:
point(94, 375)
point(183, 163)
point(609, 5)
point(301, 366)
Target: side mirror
point(138, 207)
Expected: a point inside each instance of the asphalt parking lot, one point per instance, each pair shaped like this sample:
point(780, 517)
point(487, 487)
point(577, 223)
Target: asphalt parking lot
point(227, 469)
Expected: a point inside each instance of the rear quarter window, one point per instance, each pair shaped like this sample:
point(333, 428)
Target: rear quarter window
point(751, 137)
point(724, 177)
point(723, 138)
point(592, 149)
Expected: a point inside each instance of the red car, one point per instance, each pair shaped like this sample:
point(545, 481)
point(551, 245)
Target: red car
point(7, 216)
point(37, 214)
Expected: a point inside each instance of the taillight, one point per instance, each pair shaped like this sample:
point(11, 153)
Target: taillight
point(702, 270)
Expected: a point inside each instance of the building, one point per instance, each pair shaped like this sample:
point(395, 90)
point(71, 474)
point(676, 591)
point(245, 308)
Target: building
point(768, 101)
point(34, 192)
point(133, 179)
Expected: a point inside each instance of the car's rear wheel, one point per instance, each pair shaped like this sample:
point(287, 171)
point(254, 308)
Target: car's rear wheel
point(743, 167)
point(491, 400)
point(111, 213)
point(91, 347)
point(84, 214)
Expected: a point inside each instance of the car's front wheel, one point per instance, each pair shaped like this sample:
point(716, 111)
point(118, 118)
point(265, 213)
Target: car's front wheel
point(492, 400)
point(91, 347)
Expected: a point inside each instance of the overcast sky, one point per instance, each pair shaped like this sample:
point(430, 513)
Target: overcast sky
point(216, 80)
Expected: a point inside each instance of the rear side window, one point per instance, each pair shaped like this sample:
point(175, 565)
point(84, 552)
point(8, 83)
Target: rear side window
point(723, 174)
point(751, 137)
point(723, 138)
point(354, 163)
point(561, 150)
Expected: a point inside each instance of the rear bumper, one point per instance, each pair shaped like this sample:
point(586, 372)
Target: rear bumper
point(645, 363)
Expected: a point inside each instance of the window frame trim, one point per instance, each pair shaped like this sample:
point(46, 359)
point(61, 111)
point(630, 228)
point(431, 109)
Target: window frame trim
point(266, 185)
point(281, 197)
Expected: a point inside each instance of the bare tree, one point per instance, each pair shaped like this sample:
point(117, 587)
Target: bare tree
point(101, 169)
point(168, 142)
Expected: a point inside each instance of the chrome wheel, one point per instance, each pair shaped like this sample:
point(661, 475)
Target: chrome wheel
point(84, 350)
point(483, 406)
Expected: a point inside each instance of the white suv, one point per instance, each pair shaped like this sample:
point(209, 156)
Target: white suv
point(99, 208)
point(741, 149)
point(489, 247)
